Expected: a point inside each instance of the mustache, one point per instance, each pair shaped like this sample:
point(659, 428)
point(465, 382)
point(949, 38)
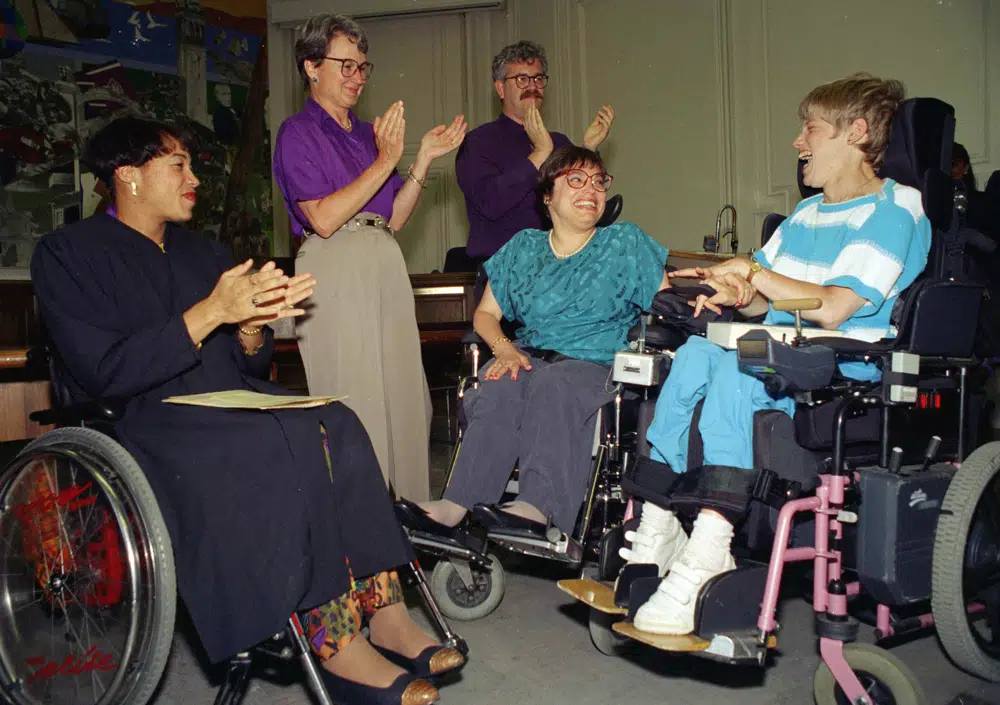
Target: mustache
point(531, 94)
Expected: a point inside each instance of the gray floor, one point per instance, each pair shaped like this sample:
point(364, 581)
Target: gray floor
point(535, 649)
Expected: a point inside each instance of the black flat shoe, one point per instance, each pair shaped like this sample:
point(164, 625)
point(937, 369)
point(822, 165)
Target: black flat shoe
point(412, 516)
point(408, 689)
point(432, 662)
point(492, 517)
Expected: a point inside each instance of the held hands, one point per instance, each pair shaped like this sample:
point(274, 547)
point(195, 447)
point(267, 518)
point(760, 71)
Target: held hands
point(540, 138)
point(390, 134)
point(731, 289)
point(599, 128)
point(254, 299)
point(442, 139)
point(507, 359)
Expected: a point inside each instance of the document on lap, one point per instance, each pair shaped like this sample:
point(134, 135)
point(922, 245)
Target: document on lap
point(242, 399)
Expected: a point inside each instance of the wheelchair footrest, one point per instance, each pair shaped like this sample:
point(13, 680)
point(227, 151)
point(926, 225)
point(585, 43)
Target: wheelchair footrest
point(460, 545)
point(737, 647)
point(532, 543)
point(598, 596)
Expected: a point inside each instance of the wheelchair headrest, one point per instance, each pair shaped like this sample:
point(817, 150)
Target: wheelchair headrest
point(918, 155)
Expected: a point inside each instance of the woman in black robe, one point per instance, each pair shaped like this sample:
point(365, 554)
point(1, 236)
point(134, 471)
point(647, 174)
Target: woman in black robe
point(268, 512)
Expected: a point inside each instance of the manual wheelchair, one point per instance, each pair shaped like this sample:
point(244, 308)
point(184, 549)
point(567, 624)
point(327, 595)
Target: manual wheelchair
point(87, 583)
point(870, 485)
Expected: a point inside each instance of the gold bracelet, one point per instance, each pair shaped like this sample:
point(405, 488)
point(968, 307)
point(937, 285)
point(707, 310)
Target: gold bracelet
point(501, 339)
point(250, 331)
point(422, 183)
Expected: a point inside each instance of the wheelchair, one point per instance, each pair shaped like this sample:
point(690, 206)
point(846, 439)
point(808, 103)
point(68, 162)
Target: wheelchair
point(87, 581)
point(870, 485)
point(468, 580)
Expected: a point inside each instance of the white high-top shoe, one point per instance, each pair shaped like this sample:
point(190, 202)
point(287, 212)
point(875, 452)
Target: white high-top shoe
point(658, 539)
point(671, 608)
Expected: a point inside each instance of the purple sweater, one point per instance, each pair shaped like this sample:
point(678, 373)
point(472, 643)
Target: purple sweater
point(498, 182)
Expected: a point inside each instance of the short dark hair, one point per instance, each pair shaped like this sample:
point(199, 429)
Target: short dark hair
point(316, 34)
point(960, 154)
point(520, 52)
point(565, 157)
point(130, 141)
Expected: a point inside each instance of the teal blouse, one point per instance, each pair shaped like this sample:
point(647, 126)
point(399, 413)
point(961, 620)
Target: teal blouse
point(582, 305)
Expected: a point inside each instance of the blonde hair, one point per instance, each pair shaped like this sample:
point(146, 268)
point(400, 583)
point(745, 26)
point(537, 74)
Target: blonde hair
point(860, 95)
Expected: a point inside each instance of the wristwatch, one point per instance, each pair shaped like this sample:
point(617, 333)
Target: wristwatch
point(754, 268)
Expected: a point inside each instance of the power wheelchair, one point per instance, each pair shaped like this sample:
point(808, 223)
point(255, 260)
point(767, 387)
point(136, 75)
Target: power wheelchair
point(870, 484)
point(87, 581)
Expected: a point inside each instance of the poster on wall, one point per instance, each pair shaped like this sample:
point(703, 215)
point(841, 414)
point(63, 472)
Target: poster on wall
point(68, 67)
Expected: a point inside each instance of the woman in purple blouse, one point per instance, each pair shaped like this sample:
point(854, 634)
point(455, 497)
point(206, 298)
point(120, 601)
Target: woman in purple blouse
point(343, 193)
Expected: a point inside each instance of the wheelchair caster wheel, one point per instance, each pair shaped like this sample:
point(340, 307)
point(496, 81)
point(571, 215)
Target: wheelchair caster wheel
point(605, 640)
point(462, 601)
point(886, 679)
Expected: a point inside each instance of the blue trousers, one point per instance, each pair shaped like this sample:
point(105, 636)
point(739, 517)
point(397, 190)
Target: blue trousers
point(703, 370)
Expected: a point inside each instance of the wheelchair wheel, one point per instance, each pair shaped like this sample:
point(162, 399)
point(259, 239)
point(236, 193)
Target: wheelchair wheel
point(966, 566)
point(886, 679)
point(605, 640)
point(459, 601)
point(87, 586)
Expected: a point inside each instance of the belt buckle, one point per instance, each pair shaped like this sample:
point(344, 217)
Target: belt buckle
point(380, 222)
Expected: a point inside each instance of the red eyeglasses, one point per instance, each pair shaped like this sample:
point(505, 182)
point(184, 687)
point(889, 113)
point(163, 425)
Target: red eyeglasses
point(578, 178)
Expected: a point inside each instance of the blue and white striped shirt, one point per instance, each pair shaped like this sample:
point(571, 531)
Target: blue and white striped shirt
point(875, 245)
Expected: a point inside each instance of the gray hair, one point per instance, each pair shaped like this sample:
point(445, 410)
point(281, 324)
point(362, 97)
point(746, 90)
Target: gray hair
point(523, 51)
point(316, 34)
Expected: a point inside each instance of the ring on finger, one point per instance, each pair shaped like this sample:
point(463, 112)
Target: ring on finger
point(254, 300)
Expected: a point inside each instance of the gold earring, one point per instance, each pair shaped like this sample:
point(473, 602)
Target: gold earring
point(135, 191)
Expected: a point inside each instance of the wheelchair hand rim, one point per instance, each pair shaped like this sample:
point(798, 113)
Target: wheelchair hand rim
point(44, 671)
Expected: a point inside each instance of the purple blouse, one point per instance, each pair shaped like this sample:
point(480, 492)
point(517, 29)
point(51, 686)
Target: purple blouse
point(314, 156)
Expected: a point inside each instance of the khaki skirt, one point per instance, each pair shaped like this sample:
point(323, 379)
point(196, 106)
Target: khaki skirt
point(359, 337)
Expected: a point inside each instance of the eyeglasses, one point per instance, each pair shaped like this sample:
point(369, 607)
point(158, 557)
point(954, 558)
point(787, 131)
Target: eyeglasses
point(523, 80)
point(349, 67)
point(578, 178)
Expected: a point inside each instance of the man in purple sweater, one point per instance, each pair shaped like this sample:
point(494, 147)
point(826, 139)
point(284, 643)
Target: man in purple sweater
point(498, 163)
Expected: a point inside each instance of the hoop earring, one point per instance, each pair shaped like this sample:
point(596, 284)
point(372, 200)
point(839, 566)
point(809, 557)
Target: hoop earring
point(135, 191)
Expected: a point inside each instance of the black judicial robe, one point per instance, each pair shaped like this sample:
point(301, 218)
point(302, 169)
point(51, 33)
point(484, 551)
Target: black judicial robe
point(259, 526)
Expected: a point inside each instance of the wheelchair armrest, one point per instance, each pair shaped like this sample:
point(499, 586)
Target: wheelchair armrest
point(96, 411)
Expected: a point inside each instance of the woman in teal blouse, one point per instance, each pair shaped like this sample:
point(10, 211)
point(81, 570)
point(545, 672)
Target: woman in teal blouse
point(575, 291)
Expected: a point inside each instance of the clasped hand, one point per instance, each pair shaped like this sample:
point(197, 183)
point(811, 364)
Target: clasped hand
point(731, 289)
point(254, 299)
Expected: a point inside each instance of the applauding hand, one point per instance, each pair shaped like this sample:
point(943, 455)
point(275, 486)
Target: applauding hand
point(540, 138)
point(266, 295)
point(442, 139)
point(390, 134)
point(599, 128)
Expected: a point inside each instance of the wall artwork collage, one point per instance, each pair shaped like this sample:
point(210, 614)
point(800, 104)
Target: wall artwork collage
point(68, 67)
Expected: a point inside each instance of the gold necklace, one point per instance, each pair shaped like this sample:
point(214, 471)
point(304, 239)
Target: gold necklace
point(570, 254)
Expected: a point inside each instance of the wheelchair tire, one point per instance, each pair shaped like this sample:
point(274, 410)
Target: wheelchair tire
point(142, 620)
point(604, 639)
point(454, 598)
point(969, 519)
point(887, 679)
